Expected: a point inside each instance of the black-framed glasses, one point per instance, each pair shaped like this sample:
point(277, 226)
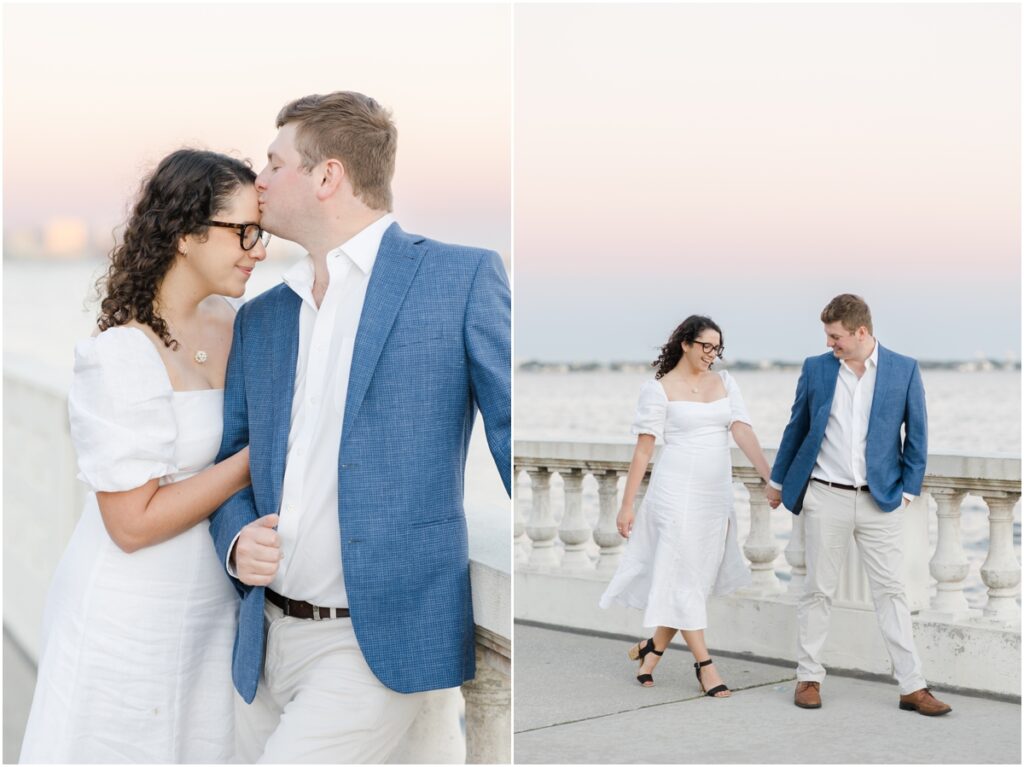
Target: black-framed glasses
point(248, 234)
point(709, 348)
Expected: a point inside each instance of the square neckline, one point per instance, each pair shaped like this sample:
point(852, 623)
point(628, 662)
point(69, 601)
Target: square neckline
point(693, 401)
point(163, 367)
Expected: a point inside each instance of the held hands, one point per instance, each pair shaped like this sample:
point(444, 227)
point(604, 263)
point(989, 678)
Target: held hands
point(774, 497)
point(258, 551)
point(624, 521)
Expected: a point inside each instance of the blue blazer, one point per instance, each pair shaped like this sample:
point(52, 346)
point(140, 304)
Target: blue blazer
point(895, 463)
point(433, 345)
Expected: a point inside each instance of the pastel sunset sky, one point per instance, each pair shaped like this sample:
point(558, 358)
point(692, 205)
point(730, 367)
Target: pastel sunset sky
point(95, 95)
point(751, 161)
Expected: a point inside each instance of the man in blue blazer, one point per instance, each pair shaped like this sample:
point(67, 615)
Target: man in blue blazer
point(356, 384)
point(852, 457)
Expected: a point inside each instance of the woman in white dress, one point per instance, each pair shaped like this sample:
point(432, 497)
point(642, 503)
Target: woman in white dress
point(682, 545)
point(135, 664)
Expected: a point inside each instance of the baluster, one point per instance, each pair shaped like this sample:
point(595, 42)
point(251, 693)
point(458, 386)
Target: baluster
point(489, 710)
point(795, 555)
point(1001, 571)
point(574, 530)
point(948, 564)
point(520, 539)
point(541, 527)
point(760, 547)
point(605, 534)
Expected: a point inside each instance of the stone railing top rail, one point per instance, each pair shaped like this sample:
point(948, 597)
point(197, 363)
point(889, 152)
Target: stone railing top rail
point(962, 470)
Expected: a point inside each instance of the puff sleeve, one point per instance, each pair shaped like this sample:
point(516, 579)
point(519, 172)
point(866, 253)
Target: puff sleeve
point(650, 410)
point(736, 405)
point(122, 418)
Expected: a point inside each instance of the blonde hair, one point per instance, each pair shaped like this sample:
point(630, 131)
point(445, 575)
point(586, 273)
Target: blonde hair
point(352, 128)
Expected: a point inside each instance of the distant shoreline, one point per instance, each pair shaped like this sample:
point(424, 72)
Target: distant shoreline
point(960, 366)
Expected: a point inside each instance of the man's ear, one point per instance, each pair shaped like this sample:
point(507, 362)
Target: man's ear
point(332, 173)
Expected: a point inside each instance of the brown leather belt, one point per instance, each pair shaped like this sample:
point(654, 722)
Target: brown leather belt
point(864, 488)
point(295, 608)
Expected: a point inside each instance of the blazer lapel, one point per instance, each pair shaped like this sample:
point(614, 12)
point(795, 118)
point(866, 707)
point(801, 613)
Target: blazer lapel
point(283, 358)
point(881, 379)
point(396, 265)
point(829, 379)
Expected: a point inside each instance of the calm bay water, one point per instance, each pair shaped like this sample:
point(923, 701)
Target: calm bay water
point(967, 412)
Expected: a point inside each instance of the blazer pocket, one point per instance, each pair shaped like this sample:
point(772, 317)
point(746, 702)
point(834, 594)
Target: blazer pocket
point(437, 522)
point(430, 340)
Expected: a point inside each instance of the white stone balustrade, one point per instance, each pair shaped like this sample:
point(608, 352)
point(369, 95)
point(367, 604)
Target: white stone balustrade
point(1001, 571)
point(934, 579)
point(606, 535)
point(541, 528)
point(760, 547)
point(949, 566)
point(574, 531)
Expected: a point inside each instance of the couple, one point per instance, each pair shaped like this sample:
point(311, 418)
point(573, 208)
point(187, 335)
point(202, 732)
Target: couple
point(851, 458)
point(336, 414)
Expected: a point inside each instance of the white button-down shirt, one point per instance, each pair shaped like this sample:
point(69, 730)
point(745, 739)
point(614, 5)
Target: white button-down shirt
point(843, 454)
point(309, 528)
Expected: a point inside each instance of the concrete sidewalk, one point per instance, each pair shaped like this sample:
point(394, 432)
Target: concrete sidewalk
point(577, 701)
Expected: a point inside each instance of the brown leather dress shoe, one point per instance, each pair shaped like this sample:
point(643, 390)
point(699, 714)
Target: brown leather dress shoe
point(808, 696)
point(923, 702)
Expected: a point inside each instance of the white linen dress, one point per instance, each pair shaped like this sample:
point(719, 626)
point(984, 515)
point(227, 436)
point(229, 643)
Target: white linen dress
point(684, 546)
point(135, 664)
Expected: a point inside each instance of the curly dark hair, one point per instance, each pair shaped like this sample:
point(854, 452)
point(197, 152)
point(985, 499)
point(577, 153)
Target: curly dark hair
point(188, 188)
point(687, 332)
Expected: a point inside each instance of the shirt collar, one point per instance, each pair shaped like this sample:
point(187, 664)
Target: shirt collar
point(363, 246)
point(870, 362)
point(873, 359)
point(361, 249)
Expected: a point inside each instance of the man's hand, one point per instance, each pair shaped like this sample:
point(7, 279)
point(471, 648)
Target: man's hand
point(774, 497)
point(258, 551)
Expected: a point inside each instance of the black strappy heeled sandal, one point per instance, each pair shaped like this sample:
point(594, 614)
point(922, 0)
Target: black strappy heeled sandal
point(637, 652)
point(713, 692)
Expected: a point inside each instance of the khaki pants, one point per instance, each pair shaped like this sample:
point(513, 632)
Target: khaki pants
point(318, 701)
point(831, 516)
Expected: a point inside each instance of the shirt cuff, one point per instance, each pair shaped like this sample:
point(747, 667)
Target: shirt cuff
point(909, 497)
point(773, 483)
point(227, 560)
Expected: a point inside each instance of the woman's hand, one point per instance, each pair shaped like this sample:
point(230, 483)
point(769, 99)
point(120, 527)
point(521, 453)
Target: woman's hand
point(624, 522)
